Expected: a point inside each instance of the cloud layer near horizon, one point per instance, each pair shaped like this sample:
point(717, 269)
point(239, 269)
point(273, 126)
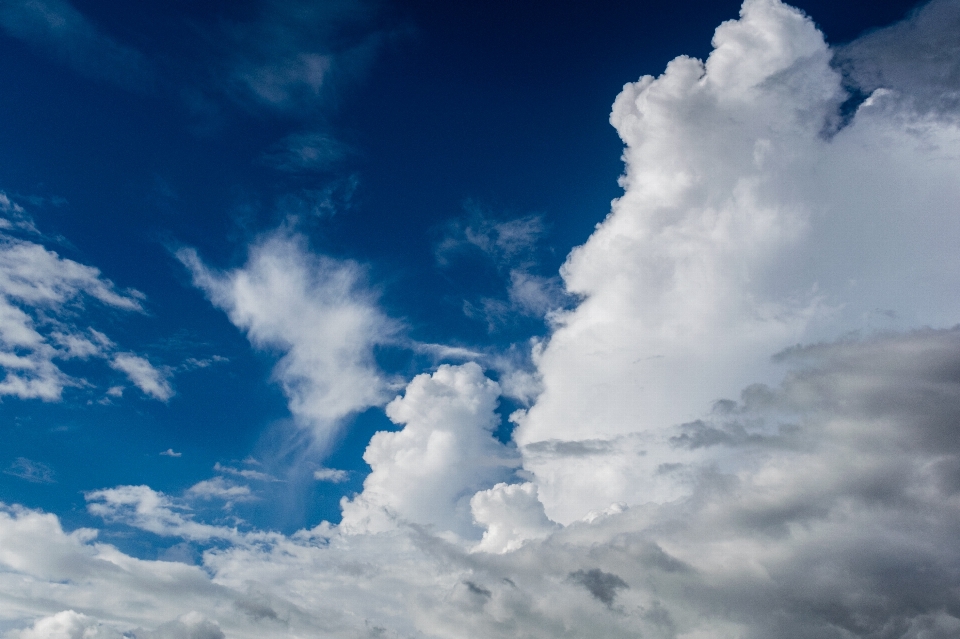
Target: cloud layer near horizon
point(673, 480)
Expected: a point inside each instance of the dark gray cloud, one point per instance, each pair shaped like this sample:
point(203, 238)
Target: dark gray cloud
point(602, 585)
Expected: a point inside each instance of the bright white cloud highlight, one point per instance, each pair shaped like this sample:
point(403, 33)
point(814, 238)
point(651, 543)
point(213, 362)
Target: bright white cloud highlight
point(315, 310)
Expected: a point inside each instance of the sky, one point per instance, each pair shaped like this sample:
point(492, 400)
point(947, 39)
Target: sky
point(359, 318)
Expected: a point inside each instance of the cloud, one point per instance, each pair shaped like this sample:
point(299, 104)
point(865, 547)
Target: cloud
point(219, 488)
point(69, 625)
point(888, 59)
point(143, 375)
point(505, 241)
point(147, 509)
point(427, 472)
point(688, 469)
point(845, 527)
point(747, 224)
point(512, 246)
point(318, 313)
point(170, 453)
point(246, 474)
point(32, 471)
point(41, 300)
point(332, 475)
point(65, 34)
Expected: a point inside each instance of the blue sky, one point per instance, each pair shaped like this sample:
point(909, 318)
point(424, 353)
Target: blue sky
point(437, 275)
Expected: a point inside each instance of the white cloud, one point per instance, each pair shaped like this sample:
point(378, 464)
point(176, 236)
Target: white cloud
point(170, 453)
point(746, 225)
point(427, 472)
point(68, 625)
point(41, 299)
point(332, 475)
point(826, 506)
point(511, 515)
point(155, 512)
point(512, 246)
point(246, 474)
point(316, 311)
point(219, 488)
point(143, 375)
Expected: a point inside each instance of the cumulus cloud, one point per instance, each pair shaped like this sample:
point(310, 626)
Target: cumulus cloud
point(319, 313)
point(56, 27)
point(835, 517)
point(678, 479)
point(427, 472)
point(746, 225)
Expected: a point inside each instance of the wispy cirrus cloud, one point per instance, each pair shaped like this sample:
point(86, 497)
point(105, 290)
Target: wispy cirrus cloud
point(285, 58)
point(60, 30)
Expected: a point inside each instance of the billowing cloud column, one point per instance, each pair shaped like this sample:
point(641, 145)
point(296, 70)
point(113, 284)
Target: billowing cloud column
point(754, 217)
point(428, 472)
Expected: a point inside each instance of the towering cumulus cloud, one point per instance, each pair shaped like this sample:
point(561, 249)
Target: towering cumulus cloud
point(748, 426)
point(753, 218)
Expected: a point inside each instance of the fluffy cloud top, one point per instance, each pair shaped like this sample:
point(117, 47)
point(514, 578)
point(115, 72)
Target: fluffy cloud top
point(427, 473)
point(748, 223)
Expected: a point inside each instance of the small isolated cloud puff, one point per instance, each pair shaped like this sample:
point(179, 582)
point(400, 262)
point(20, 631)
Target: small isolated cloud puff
point(170, 453)
point(144, 375)
point(219, 488)
point(331, 475)
point(315, 310)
